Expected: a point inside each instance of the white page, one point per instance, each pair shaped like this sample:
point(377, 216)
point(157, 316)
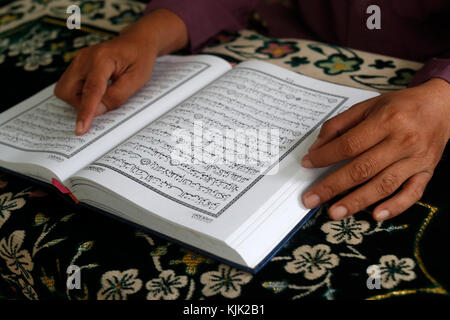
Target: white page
point(222, 201)
point(290, 174)
point(40, 130)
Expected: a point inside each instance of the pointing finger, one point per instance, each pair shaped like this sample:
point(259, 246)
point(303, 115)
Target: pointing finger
point(92, 93)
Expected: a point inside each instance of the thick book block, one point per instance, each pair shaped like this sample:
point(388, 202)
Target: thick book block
point(204, 154)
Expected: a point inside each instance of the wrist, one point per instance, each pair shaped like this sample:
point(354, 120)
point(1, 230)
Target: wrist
point(438, 83)
point(441, 89)
point(161, 31)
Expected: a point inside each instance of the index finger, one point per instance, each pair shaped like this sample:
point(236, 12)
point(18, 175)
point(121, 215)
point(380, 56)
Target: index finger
point(69, 86)
point(342, 122)
point(93, 90)
point(352, 143)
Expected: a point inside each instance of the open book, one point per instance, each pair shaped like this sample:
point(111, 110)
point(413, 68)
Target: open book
point(204, 154)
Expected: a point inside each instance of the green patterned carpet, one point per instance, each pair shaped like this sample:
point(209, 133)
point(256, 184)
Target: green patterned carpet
point(41, 233)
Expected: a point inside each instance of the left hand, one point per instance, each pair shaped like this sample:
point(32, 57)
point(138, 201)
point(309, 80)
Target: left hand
point(394, 142)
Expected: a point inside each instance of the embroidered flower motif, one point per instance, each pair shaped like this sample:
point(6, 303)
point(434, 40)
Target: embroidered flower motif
point(381, 64)
point(27, 289)
point(166, 286)
point(118, 285)
point(48, 281)
point(90, 6)
point(37, 59)
point(125, 17)
point(314, 262)
point(159, 251)
point(402, 77)
point(40, 219)
point(296, 61)
point(275, 286)
point(18, 261)
point(192, 261)
point(347, 230)
point(68, 56)
point(393, 270)
point(8, 204)
point(25, 46)
point(45, 35)
point(9, 17)
point(85, 246)
point(278, 49)
point(226, 281)
point(33, 41)
point(31, 45)
point(89, 40)
point(338, 63)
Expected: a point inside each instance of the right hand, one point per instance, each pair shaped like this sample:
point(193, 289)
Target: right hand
point(84, 85)
point(126, 60)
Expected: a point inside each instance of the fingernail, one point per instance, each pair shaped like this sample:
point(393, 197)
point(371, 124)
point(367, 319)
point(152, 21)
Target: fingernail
point(315, 144)
point(101, 109)
point(79, 127)
point(311, 200)
point(338, 212)
point(382, 215)
point(306, 162)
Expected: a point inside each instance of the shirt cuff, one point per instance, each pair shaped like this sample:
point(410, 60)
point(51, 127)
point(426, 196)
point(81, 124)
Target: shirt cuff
point(433, 68)
point(203, 18)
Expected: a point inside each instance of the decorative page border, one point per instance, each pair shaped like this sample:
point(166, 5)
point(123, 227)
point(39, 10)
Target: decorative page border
point(206, 66)
point(237, 197)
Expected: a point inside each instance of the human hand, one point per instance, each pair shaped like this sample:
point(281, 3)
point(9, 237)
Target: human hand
point(394, 142)
point(125, 62)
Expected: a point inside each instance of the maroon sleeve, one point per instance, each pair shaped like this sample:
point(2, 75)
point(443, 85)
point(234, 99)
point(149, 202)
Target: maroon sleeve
point(433, 68)
point(206, 18)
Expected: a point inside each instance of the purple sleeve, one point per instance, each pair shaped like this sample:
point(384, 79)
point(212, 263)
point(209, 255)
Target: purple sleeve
point(206, 18)
point(433, 68)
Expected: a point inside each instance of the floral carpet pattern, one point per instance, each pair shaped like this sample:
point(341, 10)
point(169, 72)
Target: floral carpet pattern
point(42, 234)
